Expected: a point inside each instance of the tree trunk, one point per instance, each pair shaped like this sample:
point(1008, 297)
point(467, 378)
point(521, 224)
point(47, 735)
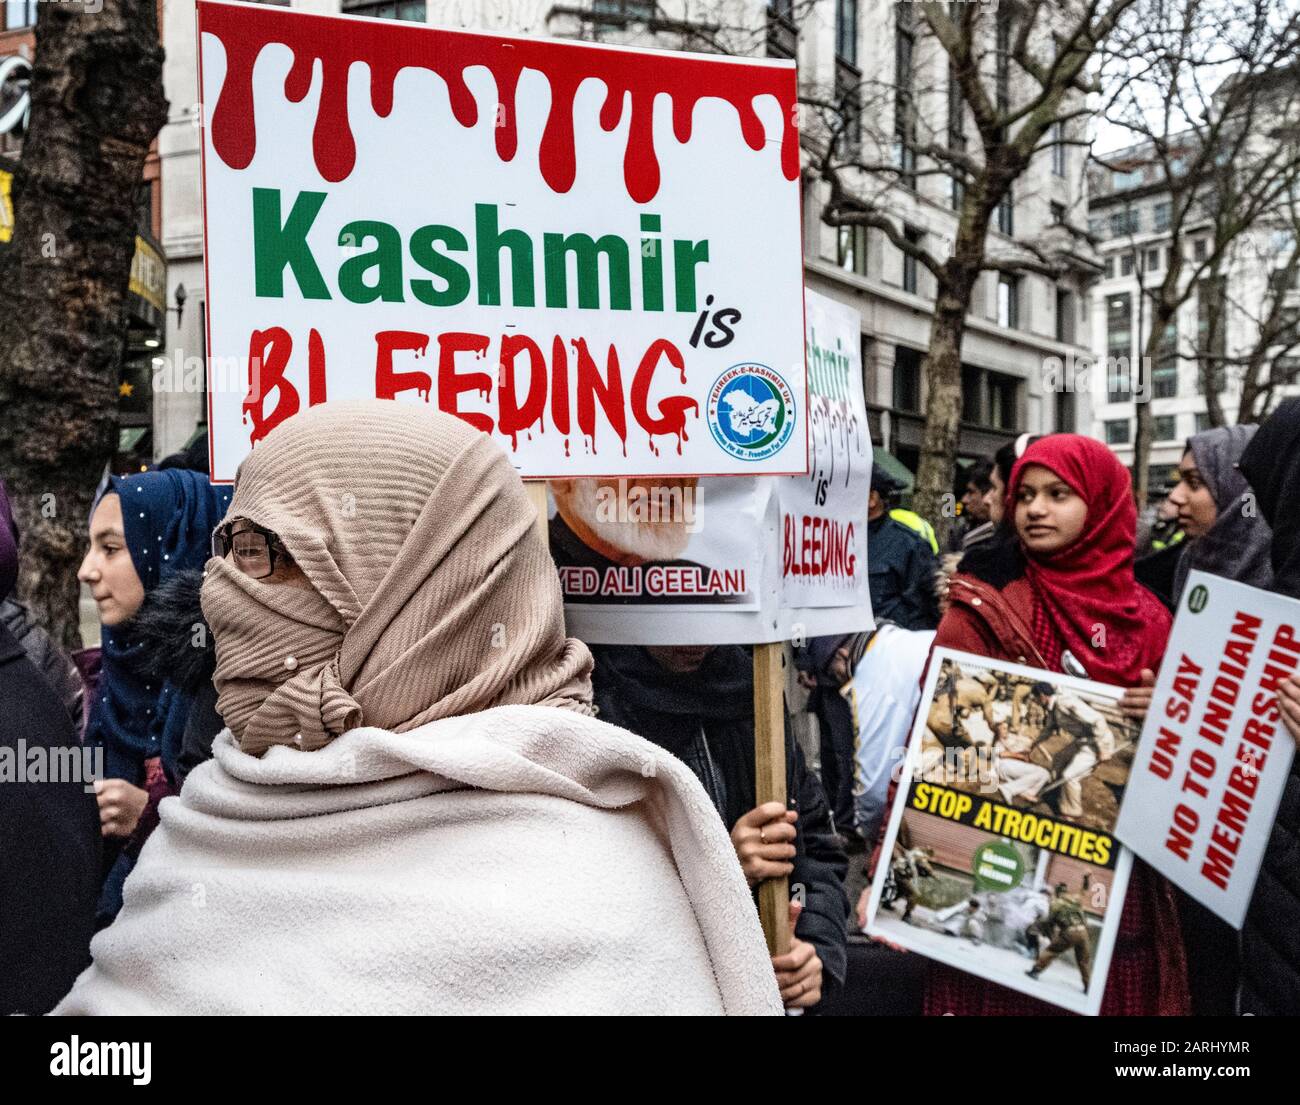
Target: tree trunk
point(943, 398)
point(96, 104)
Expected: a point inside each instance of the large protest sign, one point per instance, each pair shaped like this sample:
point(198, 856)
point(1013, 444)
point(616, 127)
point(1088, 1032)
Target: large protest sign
point(591, 253)
point(824, 514)
point(1000, 858)
point(1214, 755)
point(667, 560)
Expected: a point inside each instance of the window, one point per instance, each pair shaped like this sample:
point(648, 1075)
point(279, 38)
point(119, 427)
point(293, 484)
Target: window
point(1058, 148)
point(1164, 376)
point(1096, 226)
point(1110, 267)
point(1004, 401)
point(1127, 221)
point(1118, 432)
point(643, 10)
point(1165, 427)
point(907, 379)
point(914, 236)
point(782, 33)
point(1202, 422)
point(972, 395)
point(1009, 302)
point(1199, 248)
point(846, 30)
point(851, 249)
point(1007, 214)
point(1066, 414)
point(904, 121)
point(1153, 260)
point(1064, 316)
point(1126, 265)
point(1121, 181)
point(1119, 342)
point(1160, 219)
point(20, 13)
point(1058, 213)
point(848, 95)
point(412, 11)
point(1002, 73)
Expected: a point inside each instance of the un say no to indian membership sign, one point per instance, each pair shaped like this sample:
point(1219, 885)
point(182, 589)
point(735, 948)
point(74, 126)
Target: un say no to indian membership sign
point(591, 253)
point(1214, 755)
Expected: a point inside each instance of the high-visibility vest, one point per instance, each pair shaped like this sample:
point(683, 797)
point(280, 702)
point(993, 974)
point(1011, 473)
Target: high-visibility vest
point(914, 521)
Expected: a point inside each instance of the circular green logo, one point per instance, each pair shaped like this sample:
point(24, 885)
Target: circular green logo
point(997, 866)
point(1198, 598)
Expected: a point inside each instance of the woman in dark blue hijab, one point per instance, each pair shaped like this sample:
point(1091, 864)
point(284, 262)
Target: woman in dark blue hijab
point(158, 528)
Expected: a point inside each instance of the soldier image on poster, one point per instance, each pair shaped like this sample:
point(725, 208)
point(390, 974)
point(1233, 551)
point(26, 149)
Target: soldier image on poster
point(1064, 929)
point(1030, 742)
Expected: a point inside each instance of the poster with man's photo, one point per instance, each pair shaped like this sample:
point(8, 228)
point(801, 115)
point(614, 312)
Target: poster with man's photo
point(679, 559)
point(1000, 858)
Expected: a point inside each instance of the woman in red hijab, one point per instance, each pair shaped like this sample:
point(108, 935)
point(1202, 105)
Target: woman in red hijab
point(1071, 604)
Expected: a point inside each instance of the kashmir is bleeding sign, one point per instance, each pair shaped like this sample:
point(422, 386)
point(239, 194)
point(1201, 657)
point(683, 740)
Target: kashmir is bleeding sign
point(1214, 755)
point(591, 253)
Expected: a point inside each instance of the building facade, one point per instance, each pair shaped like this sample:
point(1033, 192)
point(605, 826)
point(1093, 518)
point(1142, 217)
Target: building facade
point(1016, 324)
point(1220, 323)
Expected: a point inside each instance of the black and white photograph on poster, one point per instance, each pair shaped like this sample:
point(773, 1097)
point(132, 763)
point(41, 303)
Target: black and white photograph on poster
point(999, 858)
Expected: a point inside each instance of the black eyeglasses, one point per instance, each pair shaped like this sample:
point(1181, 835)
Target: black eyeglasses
point(255, 549)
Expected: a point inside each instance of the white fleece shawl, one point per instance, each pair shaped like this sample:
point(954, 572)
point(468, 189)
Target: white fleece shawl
point(522, 860)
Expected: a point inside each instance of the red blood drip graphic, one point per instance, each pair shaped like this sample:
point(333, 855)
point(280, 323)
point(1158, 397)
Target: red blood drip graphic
point(630, 80)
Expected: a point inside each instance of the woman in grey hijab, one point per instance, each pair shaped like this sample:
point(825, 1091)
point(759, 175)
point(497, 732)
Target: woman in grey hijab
point(1217, 510)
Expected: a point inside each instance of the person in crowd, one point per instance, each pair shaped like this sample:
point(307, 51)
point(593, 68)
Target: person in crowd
point(194, 456)
point(49, 827)
point(1157, 568)
point(144, 530)
point(901, 576)
point(51, 661)
point(177, 651)
point(975, 524)
point(824, 667)
point(1226, 534)
point(889, 671)
point(900, 564)
point(413, 809)
point(1072, 605)
point(697, 702)
point(1268, 974)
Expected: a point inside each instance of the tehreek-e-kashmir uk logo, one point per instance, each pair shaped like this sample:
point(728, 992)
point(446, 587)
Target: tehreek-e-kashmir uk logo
point(751, 411)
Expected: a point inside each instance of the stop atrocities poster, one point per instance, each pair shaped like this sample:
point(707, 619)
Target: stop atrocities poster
point(1214, 755)
point(1000, 858)
point(591, 253)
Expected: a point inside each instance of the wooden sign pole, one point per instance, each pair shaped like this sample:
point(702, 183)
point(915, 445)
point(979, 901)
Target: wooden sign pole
point(770, 782)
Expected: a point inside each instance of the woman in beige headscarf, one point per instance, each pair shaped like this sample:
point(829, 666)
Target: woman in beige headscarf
point(412, 809)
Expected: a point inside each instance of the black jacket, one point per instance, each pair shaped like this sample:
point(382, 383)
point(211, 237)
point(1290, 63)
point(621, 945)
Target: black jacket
point(901, 568)
point(1270, 937)
point(50, 660)
point(706, 719)
point(179, 647)
point(49, 842)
